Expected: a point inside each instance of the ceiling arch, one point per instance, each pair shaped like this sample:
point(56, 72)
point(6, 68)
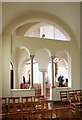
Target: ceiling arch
point(38, 16)
point(62, 54)
point(36, 29)
point(42, 56)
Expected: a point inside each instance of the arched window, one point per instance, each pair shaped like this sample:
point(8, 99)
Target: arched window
point(44, 30)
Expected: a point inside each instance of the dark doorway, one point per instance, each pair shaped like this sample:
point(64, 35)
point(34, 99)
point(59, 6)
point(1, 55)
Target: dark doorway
point(11, 75)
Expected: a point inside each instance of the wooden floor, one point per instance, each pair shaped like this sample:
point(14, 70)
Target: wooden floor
point(65, 113)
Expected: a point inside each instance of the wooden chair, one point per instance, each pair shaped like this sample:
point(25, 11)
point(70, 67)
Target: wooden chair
point(73, 97)
point(11, 107)
point(14, 107)
point(80, 96)
point(76, 109)
point(38, 98)
point(29, 106)
point(74, 103)
point(3, 108)
point(27, 99)
point(42, 115)
point(47, 114)
point(15, 111)
point(13, 99)
point(48, 104)
point(43, 105)
point(77, 90)
point(4, 100)
point(35, 115)
point(62, 113)
point(70, 92)
point(39, 105)
point(29, 110)
point(18, 107)
point(80, 100)
point(64, 98)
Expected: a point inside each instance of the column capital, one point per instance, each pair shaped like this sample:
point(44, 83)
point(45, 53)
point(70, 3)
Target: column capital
point(52, 57)
point(32, 87)
point(32, 56)
point(42, 69)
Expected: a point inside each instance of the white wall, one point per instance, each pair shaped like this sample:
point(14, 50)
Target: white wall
point(0, 49)
point(80, 46)
point(6, 56)
point(75, 65)
point(33, 45)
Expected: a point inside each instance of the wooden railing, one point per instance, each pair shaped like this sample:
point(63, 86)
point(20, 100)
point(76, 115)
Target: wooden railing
point(21, 107)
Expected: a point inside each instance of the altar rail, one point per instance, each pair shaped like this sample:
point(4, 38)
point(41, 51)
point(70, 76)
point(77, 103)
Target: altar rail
point(22, 92)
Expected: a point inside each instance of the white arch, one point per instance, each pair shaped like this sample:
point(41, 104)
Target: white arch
point(39, 16)
point(42, 56)
point(22, 54)
point(63, 54)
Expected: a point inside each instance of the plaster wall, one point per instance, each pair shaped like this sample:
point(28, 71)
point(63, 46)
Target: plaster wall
point(6, 58)
point(33, 45)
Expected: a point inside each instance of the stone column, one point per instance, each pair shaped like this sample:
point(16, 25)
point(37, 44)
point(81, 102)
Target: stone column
point(52, 58)
point(43, 77)
point(31, 84)
point(43, 81)
point(56, 70)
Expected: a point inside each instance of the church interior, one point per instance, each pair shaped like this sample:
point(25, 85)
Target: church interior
point(41, 61)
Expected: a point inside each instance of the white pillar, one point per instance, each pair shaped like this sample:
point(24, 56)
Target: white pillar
point(52, 58)
point(43, 81)
point(31, 84)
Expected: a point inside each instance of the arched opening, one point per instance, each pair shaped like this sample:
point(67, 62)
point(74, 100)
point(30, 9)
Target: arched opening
point(62, 70)
point(45, 30)
point(19, 55)
point(27, 71)
point(63, 66)
point(37, 78)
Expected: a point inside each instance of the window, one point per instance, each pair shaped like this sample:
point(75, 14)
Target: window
point(47, 31)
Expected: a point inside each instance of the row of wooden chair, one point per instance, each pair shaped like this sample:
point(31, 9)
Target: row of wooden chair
point(23, 99)
point(34, 115)
point(28, 109)
point(74, 99)
point(75, 96)
point(5, 102)
point(65, 96)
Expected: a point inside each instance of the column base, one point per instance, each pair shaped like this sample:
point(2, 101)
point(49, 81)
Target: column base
point(53, 86)
point(31, 87)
